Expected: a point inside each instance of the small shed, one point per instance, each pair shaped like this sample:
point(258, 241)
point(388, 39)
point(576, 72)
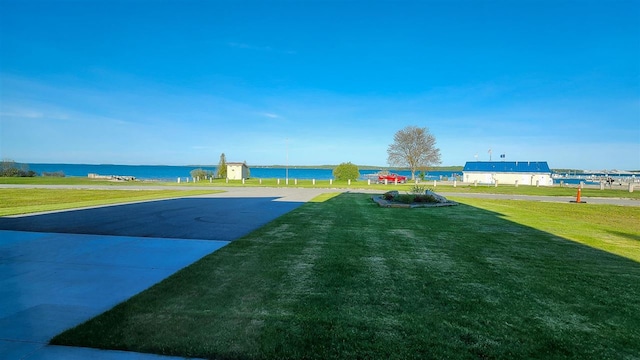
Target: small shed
point(508, 172)
point(237, 171)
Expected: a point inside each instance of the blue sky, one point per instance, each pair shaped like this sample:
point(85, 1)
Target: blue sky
point(319, 82)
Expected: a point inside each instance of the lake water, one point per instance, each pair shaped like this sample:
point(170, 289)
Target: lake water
point(172, 173)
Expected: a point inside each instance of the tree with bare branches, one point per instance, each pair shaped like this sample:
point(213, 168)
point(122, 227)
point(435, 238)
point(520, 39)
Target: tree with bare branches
point(413, 147)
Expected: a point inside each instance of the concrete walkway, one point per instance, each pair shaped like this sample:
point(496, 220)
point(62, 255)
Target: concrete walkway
point(52, 282)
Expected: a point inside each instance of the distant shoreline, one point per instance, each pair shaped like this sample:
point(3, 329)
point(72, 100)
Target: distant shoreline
point(331, 167)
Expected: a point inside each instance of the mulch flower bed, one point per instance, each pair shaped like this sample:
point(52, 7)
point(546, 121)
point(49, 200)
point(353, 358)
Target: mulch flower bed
point(429, 199)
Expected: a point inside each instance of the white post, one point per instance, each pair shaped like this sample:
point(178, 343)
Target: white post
point(242, 181)
point(475, 183)
point(187, 179)
point(286, 181)
point(178, 180)
point(630, 186)
point(581, 184)
point(295, 181)
point(211, 180)
point(227, 180)
point(348, 181)
point(330, 181)
point(496, 182)
point(386, 181)
point(260, 181)
point(454, 183)
point(278, 181)
point(537, 183)
point(516, 183)
point(368, 181)
point(435, 183)
point(601, 185)
point(313, 181)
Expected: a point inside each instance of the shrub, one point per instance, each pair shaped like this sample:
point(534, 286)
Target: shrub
point(9, 168)
point(409, 198)
point(390, 195)
point(200, 173)
point(405, 198)
point(346, 171)
point(425, 199)
point(53, 174)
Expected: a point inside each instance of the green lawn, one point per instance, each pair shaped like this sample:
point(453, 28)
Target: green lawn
point(543, 191)
point(616, 191)
point(23, 201)
point(344, 278)
point(68, 180)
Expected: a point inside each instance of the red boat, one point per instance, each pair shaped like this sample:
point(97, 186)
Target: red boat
point(391, 178)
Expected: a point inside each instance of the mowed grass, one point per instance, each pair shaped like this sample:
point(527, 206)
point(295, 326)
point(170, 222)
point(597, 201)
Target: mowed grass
point(345, 278)
point(615, 229)
point(24, 201)
point(446, 187)
point(615, 192)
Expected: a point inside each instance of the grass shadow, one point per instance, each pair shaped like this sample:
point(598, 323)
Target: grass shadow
point(634, 237)
point(345, 278)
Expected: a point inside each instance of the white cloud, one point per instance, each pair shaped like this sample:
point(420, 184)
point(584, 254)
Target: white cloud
point(271, 115)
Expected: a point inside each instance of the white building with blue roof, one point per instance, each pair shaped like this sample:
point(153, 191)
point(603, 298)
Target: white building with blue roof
point(508, 172)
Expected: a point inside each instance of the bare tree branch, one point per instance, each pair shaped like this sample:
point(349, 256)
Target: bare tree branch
point(413, 147)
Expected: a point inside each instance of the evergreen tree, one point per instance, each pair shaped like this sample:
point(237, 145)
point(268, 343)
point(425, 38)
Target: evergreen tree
point(221, 170)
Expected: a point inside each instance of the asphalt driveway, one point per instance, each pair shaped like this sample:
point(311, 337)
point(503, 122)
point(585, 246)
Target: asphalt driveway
point(202, 218)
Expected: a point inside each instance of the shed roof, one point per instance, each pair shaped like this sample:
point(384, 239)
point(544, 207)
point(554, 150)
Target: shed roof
point(507, 166)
